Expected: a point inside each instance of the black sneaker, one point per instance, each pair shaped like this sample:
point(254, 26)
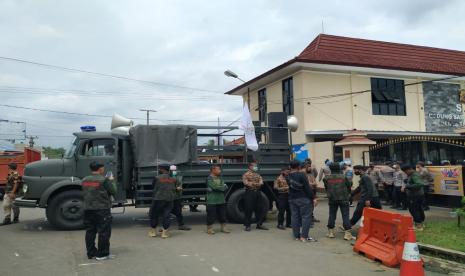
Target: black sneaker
point(316, 220)
point(281, 227)
point(289, 226)
point(247, 228)
point(15, 220)
point(184, 228)
point(261, 227)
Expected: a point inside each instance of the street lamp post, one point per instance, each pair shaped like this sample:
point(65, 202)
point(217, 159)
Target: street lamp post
point(231, 74)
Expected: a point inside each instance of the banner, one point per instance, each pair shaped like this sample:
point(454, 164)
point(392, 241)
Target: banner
point(448, 180)
point(300, 152)
point(249, 130)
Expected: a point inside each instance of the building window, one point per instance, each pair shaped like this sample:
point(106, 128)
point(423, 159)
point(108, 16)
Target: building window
point(288, 96)
point(262, 105)
point(388, 97)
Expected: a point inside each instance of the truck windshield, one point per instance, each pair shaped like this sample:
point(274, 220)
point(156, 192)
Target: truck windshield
point(71, 148)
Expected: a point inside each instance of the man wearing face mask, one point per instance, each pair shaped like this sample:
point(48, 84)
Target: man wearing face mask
point(177, 203)
point(369, 196)
point(252, 197)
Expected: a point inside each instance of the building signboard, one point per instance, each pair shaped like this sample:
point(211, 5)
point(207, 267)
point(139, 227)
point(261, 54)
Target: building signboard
point(443, 110)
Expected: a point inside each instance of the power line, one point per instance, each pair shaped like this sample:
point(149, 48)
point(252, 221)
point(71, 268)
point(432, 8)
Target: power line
point(88, 93)
point(69, 69)
point(103, 116)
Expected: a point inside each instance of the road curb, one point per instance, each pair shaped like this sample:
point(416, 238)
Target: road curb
point(444, 253)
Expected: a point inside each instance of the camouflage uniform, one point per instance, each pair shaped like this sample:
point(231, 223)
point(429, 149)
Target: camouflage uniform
point(13, 179)
point(97, 191)
point(280, 184)
point(252, 198)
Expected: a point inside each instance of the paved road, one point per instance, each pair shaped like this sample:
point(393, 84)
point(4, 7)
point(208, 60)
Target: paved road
point(32, 247)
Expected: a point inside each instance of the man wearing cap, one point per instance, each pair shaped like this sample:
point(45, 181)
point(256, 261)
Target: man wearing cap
point(177, 203)
point(369, 196)
point(414, 190)
point(253, 202)
point(12, 189)
point(164, 193)
point(97, 191)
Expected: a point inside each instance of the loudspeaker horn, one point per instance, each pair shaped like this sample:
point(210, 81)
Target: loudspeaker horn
point(122, 130)
point(292, 123)
point(120, 121)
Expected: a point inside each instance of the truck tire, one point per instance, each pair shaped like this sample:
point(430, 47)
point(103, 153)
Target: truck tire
point(235, 206)
point(65, 210)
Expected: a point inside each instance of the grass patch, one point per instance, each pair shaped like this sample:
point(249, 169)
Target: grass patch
point(444, 234)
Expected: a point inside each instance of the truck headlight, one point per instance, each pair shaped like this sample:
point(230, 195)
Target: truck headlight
point(25, 188)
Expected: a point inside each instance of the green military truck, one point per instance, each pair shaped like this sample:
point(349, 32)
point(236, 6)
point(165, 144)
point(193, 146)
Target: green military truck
point(132, 154)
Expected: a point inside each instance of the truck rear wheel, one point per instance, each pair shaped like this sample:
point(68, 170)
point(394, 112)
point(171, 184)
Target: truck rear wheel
point(235, 206)
point(65, 210)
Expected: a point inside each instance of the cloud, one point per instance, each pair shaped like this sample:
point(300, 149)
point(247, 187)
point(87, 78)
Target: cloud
point(188, 43)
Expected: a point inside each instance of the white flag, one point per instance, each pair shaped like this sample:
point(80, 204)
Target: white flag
point(248, 128)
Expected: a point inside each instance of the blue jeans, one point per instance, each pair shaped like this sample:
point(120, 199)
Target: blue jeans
point(301, 220)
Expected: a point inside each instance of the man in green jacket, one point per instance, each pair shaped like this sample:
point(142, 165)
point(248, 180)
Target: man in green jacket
point(337, 189)
point(97, 191)
point(216, 203)
point(164, 193)
point(415, 194)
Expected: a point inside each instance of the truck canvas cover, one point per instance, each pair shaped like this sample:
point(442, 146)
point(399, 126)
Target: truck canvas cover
point(157, 144)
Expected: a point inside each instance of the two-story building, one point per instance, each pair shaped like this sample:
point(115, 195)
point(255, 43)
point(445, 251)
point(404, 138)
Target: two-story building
point(404, 97)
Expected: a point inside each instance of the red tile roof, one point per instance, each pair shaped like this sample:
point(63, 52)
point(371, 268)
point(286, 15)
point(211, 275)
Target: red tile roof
point(330, 49)
point(338, 50)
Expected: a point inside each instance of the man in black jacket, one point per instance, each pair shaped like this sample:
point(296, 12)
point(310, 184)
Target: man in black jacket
point(302, 200)
point(369, 196)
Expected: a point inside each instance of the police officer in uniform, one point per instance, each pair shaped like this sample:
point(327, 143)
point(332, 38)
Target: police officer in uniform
point(12, 189)
point(177, 203)
point(97, 191)
point(252, 197)
point(164, 193)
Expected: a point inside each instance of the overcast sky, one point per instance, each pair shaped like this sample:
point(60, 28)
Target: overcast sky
point(184, 43)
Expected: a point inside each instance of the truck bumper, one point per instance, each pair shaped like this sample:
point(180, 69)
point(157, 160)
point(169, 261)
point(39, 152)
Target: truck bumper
point(26, 203)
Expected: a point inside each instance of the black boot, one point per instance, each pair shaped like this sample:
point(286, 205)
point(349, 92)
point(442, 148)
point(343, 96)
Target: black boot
point(6, 221)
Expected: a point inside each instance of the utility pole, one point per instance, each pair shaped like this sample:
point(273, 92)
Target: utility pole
point(148, 114)
point(31, 140)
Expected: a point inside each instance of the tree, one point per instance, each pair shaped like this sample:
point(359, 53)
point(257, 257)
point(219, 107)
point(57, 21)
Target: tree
point(54, 153)
point(211, 142)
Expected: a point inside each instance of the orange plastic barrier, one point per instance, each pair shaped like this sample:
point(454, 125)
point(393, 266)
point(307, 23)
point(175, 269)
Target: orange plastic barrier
point(382, 236)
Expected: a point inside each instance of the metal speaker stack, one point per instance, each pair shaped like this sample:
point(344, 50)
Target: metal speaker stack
point(277, 120)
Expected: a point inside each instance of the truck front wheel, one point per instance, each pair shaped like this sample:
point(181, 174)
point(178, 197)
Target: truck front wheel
point(235, 206)
point(65, 210)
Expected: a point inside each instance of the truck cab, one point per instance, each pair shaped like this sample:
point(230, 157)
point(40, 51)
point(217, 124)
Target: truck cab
point(55, 184)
